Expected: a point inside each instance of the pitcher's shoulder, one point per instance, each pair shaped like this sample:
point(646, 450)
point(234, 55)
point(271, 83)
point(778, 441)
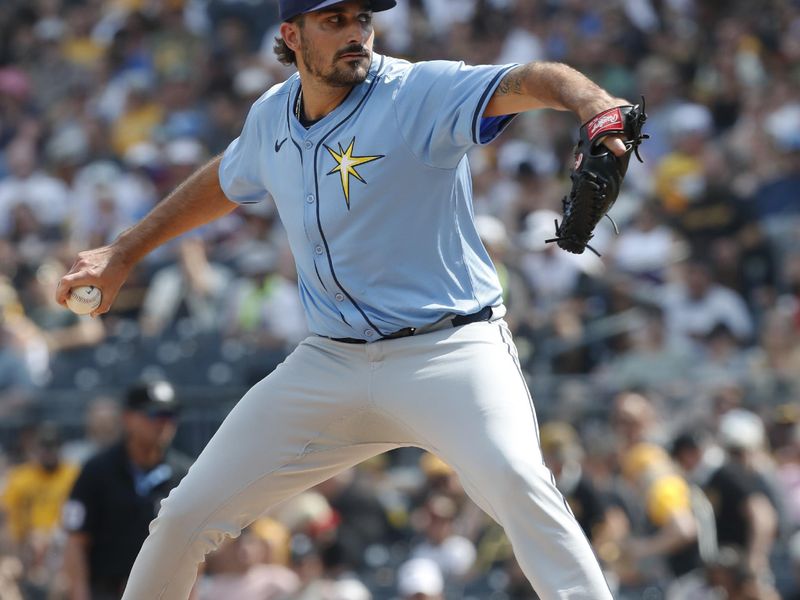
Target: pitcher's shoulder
point(277, 94)
point(393, 70)
point(399, 71)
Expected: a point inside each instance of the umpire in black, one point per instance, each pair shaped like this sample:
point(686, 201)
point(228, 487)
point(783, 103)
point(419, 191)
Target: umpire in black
point(119, 492)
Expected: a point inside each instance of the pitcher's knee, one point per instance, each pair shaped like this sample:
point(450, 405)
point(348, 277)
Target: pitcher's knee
point(193, 523)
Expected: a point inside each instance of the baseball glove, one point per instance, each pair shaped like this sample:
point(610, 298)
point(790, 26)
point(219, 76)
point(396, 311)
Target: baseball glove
point(597, 175)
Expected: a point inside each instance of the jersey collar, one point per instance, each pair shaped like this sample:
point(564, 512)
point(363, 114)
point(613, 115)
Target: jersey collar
point(345, 107)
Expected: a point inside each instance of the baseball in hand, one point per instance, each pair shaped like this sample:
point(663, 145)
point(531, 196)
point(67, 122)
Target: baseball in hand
point(84, 299)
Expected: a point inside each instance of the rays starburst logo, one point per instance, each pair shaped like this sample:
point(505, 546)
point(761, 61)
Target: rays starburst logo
point(346, 164)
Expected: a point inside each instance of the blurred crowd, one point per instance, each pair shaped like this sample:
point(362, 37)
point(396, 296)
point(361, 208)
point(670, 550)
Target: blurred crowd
point(666, 371)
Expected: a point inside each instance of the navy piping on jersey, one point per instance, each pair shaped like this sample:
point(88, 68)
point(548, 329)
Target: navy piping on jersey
point(480, 107)
point(310, 124)
point(324, 287)
point(289, 104)
point(289, 124)
point(319, 277)
point(372, 87)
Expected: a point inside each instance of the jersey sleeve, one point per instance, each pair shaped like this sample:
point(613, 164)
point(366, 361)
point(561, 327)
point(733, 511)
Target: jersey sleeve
point(440, 106)
point(240, 173)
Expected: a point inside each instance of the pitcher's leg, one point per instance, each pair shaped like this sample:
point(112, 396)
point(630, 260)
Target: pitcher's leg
point(289, 432)
point(469, 404)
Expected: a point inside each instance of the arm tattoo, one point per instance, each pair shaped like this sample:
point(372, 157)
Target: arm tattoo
point(513, 82)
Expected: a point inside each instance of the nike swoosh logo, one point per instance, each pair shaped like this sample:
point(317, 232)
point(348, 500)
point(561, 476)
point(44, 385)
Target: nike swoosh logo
point(279, 145)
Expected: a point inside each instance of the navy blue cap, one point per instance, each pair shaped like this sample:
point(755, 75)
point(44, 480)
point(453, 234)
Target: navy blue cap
point(289, 9)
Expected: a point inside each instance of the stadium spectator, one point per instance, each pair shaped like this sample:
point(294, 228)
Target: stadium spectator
point(11, 571)
point(195, 286)
point(108, 198)
point(649, 359)
point(697, 457)
point(306, 561)
point(118, 492)
point(243, 569)
point(515, 292)
point(29, 187)
point(697, 304)
point(671, 531)
point(785, 441)
point(420, 579)
point(362, 519)
point(746, 518)
point(552, 276)
point(23, 340)
point(728, 576)
point(454, 554)
point(680, 178)
point(773, 197)
point(16, 378)
point(646, 247)
point(140, 115)
point(773, 367)
point(102, 428)
point(32, 500)
point(635, 420)
point(563, 454)
point(794, 553)
point(15, 101)
point(264, 309)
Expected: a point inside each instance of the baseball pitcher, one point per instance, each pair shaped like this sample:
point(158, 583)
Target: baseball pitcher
point(365, 158)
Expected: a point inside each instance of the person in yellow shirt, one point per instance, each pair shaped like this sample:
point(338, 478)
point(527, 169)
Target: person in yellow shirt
point(140, 118)
point(672, 528)
point(680, 177)
point(36, 490)
point(32, 500)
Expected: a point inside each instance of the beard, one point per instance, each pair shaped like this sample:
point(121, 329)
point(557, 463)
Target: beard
point(338, 73)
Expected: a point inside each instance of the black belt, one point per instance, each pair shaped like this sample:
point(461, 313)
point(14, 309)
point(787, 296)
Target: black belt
point(483, 314)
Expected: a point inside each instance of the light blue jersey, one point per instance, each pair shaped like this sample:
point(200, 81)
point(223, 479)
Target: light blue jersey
point(376, 197)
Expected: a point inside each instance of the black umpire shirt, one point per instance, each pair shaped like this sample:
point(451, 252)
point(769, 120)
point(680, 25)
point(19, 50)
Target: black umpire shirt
point(113, 503)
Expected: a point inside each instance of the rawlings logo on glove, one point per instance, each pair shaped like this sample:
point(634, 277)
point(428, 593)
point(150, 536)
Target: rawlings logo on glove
point(598, 174)
point(611, 120)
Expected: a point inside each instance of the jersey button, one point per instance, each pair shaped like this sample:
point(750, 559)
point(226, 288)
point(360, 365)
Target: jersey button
point(369, 333)
point(339, 297)
point(309, 144)
point(318, 249)
point(310, 198)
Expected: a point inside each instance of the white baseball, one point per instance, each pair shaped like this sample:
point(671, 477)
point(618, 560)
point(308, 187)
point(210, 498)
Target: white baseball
point(84, 299)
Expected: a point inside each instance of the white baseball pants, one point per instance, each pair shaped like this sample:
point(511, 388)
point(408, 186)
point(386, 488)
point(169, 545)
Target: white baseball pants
point(456, 392)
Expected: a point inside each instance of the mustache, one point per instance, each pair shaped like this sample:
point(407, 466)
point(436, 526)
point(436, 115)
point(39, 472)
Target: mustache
point(354, 49)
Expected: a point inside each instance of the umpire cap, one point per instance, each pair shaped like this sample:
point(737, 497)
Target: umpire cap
point(289, 9)
point(152, 397)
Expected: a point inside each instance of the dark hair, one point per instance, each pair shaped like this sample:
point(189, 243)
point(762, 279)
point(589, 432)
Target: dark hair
point(689, 439)
point(286, 55)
